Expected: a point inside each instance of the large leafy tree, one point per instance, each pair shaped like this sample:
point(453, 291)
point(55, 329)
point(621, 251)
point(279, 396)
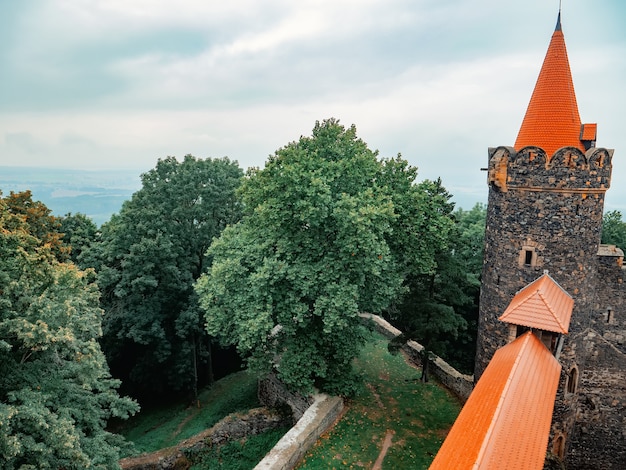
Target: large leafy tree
point(312, 251)
point(429, 311)
point(147, 259)
point(56, 393)
point(467, 245)
point(78, 232)
point(41, 223)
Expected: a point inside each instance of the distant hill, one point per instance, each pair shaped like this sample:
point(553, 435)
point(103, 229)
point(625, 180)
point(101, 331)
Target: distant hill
point(97, 194)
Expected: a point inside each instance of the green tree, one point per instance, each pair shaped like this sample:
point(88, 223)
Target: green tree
point(467, 249)
point(56, 393)
point(147, 259)
point(429, 311)
point(614, 229)
point(78, 232)
point(470, 239)
point(288, 281)
point(41, 224)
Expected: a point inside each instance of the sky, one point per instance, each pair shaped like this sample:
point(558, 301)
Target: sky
point(117, 84)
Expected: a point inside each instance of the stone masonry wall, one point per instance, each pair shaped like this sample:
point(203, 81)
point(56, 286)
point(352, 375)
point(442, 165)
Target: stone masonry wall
point(546, 214)
point(460, 384)
point(552, 210)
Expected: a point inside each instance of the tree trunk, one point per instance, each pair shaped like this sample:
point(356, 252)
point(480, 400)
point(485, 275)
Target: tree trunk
point(425, 365)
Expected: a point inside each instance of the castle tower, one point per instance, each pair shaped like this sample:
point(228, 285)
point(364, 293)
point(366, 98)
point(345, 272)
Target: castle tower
point(546, 198)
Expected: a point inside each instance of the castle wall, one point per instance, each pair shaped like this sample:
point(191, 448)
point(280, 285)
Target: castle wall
point(546, 214)
point(541, 215)
point(599, 436)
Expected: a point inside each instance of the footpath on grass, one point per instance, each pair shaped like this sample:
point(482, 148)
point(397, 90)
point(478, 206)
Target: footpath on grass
point(395, 421)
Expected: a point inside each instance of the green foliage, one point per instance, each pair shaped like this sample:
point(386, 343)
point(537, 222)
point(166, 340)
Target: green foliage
point(467, 245)
point(79, 233)
point(392, 398)
point(288, 281)
point(469, 240)
point(56, 393)
point(41, 224)
point(147, 259)
point(431, 311)
point(239, 455)
point(614, 229)
point(155, 429)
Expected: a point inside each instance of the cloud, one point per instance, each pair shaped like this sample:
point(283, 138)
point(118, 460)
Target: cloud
point(120, 83)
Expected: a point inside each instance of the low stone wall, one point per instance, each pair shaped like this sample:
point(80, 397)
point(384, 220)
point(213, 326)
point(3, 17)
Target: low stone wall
point(299, 439)
point(233, 427)
point(460, 384)
point(273, 394)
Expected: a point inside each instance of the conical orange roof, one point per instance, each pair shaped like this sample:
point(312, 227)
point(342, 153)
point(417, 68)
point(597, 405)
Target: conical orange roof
point(552, 120)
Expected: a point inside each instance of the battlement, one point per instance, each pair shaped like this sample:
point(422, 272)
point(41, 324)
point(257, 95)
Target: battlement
point(568, 169)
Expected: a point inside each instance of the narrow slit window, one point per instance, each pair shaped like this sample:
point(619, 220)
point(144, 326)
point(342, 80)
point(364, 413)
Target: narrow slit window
point(528, 257)
point(572, 380)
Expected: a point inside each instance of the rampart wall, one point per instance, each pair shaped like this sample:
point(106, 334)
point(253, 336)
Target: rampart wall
point(460, 384)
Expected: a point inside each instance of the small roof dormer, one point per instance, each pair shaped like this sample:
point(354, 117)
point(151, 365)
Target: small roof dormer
point(542, 305)
point(552, 120)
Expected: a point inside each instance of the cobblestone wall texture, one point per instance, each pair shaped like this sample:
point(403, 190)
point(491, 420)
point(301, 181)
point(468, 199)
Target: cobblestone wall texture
point(546, 214)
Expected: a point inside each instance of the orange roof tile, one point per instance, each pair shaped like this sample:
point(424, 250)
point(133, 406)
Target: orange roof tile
point(506, 420)
point(588, 131)
point(542, 304)
point(552, 120)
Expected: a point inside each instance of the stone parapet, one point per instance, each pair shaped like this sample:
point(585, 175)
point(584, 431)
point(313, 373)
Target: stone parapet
point(299, 439)
point(459, 384)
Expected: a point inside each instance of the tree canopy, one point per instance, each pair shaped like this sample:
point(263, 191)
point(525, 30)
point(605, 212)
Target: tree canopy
point(56, 393)
point(78, 232)
point(147, 258)
point(329, 231)
point(614, 229)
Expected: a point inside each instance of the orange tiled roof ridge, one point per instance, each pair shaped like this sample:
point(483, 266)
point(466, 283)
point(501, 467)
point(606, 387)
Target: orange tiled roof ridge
point(552, 120)
point(505, 423)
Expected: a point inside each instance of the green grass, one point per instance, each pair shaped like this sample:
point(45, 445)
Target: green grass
point(392, 399)
point(239, 455)
point(156, 429)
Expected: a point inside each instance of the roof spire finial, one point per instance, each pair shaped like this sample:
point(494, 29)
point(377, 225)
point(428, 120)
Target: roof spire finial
point(558, 20)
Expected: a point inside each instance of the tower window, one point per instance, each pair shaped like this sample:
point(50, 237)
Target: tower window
point(528, 257)
point(609, 316)
point(558, 447)
point(572, 380)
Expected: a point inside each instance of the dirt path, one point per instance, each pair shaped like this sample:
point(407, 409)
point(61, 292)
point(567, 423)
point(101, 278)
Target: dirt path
point(376, 395)
point(386, 445)
point(183, 423)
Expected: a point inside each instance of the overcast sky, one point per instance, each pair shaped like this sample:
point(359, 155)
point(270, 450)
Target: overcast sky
point(117, 84)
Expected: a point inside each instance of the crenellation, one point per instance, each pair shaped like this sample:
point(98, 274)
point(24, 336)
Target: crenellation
point(548, 215)
point(568, 169)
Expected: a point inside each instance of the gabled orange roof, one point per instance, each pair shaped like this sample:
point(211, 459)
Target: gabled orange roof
point(542, 304)
point(552, 120)
point(505, 423)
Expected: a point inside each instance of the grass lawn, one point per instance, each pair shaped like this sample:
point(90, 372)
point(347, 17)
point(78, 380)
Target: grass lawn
point(165, 427)
point(239, 455)
point(393, 408)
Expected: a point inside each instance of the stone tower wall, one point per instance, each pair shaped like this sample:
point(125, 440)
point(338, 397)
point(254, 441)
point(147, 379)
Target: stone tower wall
point(541, 215)
point(599, 437)
point(544, 214)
